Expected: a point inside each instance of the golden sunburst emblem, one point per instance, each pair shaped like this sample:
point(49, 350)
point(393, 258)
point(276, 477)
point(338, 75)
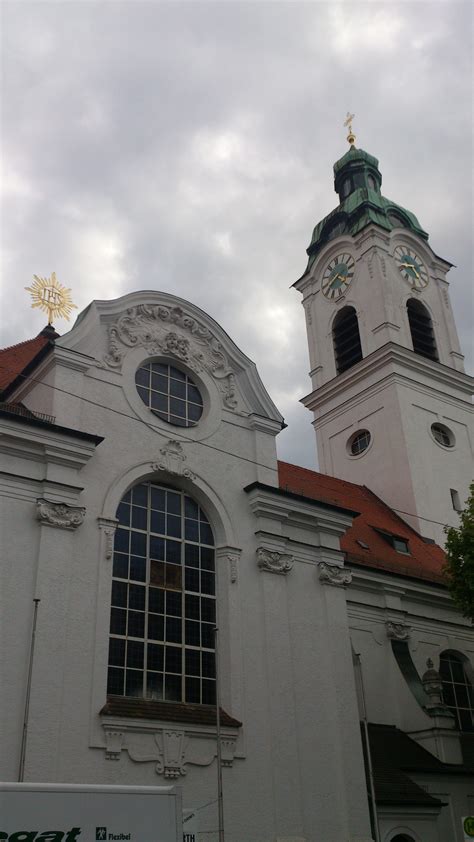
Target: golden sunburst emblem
point(51, 296)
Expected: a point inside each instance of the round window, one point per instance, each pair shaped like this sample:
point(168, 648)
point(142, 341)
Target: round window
point(359, 442)
point(169, 393)
point(442, 435)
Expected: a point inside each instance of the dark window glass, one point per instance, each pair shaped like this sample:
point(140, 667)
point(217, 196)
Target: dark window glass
point(156, 627)
point(116, 652)
point(118, 621)
point(421, 329)
point(156, 609)
point(457, 689)
point(359, 442)
point(192, 579)
point(169, 393)
point(115, 681)
point(120, 567)
point(346, 339)
point(443, 435)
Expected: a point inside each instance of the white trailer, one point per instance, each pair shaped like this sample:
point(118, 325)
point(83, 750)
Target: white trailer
point(82, 813)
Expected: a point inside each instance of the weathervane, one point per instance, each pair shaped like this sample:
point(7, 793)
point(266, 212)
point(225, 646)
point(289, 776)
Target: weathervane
point(348, 122)
point(51, 296)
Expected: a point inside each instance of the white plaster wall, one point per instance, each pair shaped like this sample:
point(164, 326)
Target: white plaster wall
point(285, 653)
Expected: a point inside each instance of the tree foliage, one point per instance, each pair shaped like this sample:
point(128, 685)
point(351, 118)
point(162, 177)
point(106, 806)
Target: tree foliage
point(459, 567)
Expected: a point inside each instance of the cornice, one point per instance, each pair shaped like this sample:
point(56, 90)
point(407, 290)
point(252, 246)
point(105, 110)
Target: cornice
point(388, 361)
point(46, 443)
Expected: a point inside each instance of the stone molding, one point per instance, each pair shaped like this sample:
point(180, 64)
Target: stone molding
point(60, 515)
point(397, 631)
point(172, 460)
point(108, 526)
point(272, 561)
point(148, 325)
point(170, 749)
point(332, 574)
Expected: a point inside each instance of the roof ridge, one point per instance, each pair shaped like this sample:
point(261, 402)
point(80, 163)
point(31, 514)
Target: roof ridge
point(25, 342)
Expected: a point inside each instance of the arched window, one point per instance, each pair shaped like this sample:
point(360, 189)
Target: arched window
point(421, 330)
point(163, 598)
point(402, 837)
point(346, 338)
point(458, 693)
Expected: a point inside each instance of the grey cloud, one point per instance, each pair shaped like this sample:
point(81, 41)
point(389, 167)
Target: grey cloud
point(189, 147)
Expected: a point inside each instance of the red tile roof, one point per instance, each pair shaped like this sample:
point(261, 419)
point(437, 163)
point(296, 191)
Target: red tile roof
point(13, 360)
point(425, 560)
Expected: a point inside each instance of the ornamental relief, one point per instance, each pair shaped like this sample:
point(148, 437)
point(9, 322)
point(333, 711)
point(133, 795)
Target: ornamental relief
point(274, 562)
point(170, 749)
point(59, 514)
point(170, 331)
point(172, 460)
point(397, 631)
point(332, 574)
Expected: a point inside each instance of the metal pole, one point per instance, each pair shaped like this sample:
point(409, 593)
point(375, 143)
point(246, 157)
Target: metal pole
point(21, 769)
point(367, 747)
point(220, 800)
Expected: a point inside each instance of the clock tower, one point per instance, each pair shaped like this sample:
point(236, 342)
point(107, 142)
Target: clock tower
point(390, 397)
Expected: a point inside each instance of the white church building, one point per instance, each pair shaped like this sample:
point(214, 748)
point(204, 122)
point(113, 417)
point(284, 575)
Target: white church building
point(142, 504)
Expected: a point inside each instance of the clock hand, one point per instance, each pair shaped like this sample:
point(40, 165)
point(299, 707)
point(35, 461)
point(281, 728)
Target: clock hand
point(412, 267)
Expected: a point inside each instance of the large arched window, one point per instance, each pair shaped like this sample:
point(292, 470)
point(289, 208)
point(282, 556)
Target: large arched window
point(421, 329)
point(163, 599)
point(458, 692)
point(346, 337)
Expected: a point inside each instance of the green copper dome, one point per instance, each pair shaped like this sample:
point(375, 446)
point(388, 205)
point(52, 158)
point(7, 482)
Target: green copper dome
point(357, 180)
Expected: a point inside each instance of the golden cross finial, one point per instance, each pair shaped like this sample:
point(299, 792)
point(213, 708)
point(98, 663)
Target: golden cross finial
point(348, 122)
point(51, 296)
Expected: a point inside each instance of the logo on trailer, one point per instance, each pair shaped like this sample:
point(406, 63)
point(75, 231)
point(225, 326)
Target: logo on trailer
point(100, 834)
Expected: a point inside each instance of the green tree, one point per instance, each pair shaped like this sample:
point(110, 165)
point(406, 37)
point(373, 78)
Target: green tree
point(459, 567)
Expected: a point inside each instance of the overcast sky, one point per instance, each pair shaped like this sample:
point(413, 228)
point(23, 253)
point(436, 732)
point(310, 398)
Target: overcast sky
point(188, 147)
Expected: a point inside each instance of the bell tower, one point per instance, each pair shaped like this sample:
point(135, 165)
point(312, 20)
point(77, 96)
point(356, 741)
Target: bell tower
point(390, 398)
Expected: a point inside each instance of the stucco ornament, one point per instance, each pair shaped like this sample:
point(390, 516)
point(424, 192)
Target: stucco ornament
point(59, 515)
point(108, 527)
point(148, 325)
point(433, 684)
point(174, 749)
point(172, 460)
point(233, 567)
point(274, 562)
point(397, 631)
point(331, 574)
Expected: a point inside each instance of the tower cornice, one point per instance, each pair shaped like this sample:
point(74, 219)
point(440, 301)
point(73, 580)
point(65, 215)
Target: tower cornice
point(396, 361)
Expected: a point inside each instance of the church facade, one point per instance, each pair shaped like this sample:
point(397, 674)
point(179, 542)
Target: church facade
point(143, 506)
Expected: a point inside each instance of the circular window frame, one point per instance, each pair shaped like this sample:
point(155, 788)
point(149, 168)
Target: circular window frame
point(449, 433)
point(212, 413)
point(351, 440)
point(189, 380)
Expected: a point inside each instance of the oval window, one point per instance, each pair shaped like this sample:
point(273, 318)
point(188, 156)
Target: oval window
point(169, 393)
point(442, 435)
point(359, 442)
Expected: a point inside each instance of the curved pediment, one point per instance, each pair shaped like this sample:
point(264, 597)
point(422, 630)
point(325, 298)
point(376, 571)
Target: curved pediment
point(168, 326)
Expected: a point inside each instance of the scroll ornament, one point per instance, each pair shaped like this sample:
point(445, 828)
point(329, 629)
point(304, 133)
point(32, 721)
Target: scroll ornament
point(274, 562)
point(397, 631)
point(173, 750)
point(331, 574)
point(172, 460)
point(148, 325)
point(59, 514)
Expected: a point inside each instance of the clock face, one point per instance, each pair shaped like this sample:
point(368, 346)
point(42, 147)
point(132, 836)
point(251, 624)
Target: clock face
point(338, 275)
point(411, 267)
